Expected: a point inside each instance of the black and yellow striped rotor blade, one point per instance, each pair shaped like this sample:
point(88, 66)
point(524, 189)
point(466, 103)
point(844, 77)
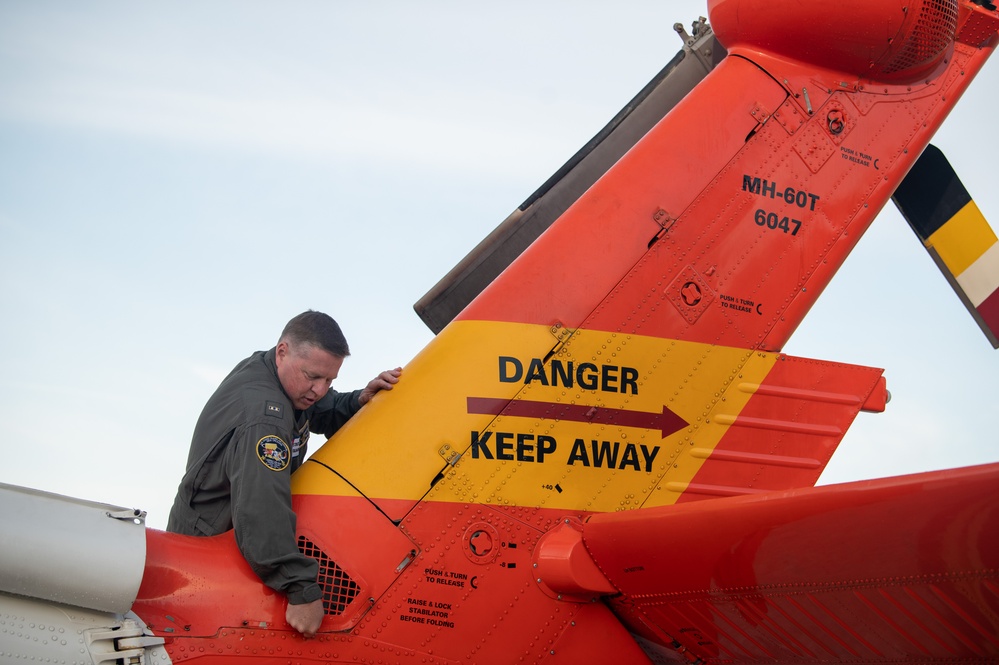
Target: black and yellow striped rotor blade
point(955, 233)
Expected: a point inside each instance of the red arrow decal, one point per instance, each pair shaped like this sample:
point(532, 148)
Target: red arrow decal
point(666, 422)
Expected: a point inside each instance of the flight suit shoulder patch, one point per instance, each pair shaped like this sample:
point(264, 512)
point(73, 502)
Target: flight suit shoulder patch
point(274, 453)
point(273, 409)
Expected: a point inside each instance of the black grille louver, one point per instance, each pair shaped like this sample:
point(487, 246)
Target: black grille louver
point(338, 589)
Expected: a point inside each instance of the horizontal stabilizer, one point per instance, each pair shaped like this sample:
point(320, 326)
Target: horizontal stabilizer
point(787, 430)
point(885, 571)
point(956, 234)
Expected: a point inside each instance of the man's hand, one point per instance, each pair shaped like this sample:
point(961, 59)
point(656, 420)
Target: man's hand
point(383, 381)
point(306, 618)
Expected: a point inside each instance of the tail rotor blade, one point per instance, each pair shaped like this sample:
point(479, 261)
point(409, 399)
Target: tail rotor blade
point(956, 234)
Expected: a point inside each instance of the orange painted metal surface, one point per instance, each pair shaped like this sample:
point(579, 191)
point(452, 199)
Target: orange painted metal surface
point(473, 598)
point(788, 430)
point(899, 42)
point(891, 570)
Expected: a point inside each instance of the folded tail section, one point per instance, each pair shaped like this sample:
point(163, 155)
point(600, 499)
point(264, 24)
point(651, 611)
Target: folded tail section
point(956, 234)
point(673, 282)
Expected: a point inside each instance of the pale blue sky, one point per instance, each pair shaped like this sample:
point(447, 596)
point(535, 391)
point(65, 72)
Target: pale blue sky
point(177, 180)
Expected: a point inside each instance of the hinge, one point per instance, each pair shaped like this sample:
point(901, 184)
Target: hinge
point(665, 222)
point(663, 219)
point(450, 455)
point(561, 335)
point(135, 515)
point(126, 643)
point(760, 114)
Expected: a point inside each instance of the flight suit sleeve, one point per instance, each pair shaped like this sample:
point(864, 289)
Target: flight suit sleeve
point(333, 410)
point(260, 476)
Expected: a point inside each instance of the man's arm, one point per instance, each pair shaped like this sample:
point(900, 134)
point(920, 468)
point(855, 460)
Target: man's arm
point(260, 477)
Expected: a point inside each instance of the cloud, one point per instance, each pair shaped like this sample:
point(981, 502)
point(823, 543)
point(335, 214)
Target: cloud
point(421, 131)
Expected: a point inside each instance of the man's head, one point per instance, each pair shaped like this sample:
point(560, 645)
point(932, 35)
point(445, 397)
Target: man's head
point(308, 357)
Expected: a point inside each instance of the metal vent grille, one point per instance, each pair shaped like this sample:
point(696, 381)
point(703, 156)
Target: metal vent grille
point(934, 31)
point(338, 589)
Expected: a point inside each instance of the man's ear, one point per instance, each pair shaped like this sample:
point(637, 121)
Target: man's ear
point(281, 351)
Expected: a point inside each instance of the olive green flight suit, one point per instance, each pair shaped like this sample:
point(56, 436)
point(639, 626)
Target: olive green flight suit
point(246, 444)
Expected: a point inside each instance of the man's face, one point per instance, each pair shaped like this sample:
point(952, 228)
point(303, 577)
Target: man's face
point(305, 372)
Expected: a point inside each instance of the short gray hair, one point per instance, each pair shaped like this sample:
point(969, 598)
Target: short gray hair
point(316, 329)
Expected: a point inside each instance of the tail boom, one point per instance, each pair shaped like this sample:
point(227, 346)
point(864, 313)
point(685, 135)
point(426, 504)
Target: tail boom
point(876, 571)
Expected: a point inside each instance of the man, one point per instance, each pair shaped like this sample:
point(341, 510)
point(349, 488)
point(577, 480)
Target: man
point(251, 437)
